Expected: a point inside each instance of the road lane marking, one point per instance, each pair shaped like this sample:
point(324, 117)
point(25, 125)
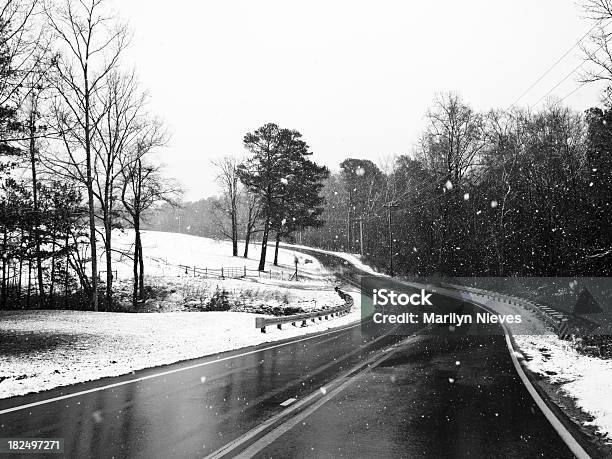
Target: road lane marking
point(554, 421)
point(169, 372)
point(561, 430)
point(277, 432)
point(269, 423)
point(289, 401)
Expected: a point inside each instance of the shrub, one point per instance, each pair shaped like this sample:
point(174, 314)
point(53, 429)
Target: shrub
point(219, 301)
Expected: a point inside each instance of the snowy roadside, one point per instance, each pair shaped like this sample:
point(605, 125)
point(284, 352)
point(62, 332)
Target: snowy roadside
point(41, 350)
point(587, 381)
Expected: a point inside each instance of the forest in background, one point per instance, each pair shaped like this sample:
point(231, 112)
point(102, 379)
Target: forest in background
point(503, 193)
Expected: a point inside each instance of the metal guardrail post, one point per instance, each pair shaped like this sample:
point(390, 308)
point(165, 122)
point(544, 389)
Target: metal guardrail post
point(263, 322)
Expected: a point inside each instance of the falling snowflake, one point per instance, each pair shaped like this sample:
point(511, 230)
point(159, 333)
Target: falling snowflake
point(494, 204)
point(448, 185)
point(451, 380)
point(466, 197)
point(97, 416)
point(360, 171)
point(284, 181)
point(203, 379)
point(323, 390)
point(283, 221)
point(457, 363)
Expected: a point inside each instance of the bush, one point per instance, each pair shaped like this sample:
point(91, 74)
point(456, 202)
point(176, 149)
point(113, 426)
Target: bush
point(219, 301)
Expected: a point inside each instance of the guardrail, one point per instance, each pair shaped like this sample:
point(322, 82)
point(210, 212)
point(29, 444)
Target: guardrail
point(558, 320)
point(263, 322)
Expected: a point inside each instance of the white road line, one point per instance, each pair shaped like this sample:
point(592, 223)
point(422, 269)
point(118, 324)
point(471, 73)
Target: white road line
point(269, 423)
point(165, 373)
point(561, 430)
point(289, 401)
point(273, 435)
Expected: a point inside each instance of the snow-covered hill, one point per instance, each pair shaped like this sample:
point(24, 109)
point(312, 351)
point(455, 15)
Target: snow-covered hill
point(170, 259)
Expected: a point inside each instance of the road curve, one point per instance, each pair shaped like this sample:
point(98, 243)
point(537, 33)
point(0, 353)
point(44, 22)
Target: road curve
point(357, 393)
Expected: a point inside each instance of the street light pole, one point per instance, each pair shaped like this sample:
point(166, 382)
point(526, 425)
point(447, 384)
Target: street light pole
point(390, 207)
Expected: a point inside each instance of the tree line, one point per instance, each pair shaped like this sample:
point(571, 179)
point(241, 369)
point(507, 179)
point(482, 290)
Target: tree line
point(496, 193)
point(76, 153)
point(274, 190)
point(506, 192)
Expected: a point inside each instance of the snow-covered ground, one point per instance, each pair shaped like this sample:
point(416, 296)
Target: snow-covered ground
point(40, 350)
point(46, 349)
point(586, 380)
point(165, 251)
point(171, 257)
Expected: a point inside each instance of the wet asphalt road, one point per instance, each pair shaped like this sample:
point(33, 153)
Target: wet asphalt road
point(438, 396)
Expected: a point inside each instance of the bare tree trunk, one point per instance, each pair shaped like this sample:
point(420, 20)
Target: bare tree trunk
point(29, 291)
point(90, 200)
point(52, 275)
point(66, 269)
point(278, 235)
point(4, 289)
point(247, 240)
point(109, 264)
point(141, 269)
point(20, 270)
point(264, 245)
point(37, 216)
point(135, 268)
point(234, 230)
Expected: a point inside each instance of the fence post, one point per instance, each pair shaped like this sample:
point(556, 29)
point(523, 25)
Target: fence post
point(194, 271)
point(222, 276)
point(206, 272)
point(245, 271)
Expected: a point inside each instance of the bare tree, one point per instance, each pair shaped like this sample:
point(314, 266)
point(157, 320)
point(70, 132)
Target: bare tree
point(598, 51)
point(452, 141)
point(21, 41)
point(90, 44)
point(227, 178)
point(251, 208)
point(121, 117)
point(143, 187)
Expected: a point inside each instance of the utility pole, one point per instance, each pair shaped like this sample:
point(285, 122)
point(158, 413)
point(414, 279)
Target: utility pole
point(390, 207)
point(348, 224)
point(360, 220)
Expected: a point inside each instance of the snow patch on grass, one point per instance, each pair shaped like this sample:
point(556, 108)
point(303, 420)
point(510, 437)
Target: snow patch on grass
point(41, 350)
point(588, 380)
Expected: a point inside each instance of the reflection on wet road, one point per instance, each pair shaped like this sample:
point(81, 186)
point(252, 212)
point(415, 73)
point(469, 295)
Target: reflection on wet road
point(439, 396)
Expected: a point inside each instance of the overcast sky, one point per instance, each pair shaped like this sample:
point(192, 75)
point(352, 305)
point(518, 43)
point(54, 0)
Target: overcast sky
point(354, 77)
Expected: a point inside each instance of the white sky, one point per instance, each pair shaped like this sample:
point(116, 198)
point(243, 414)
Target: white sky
point(354, 77)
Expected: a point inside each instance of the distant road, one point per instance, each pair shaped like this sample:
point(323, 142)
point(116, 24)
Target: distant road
point(343, 393)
